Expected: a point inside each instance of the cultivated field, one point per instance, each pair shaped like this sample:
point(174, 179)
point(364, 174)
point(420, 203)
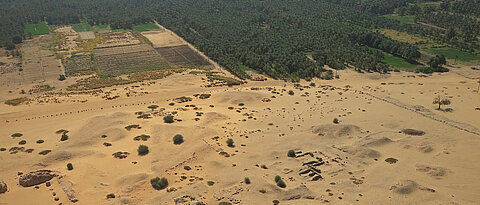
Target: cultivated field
point(39, 64)
point(162, 39)
point(182, 56)
point(119, 60)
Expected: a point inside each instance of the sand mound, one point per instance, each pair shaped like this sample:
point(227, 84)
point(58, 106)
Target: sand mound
point(213, 117)
point(61, 156)
point(97, 126)
point(375, 141)
point(436, 172)
point(336, 131)
point(405, 187)
point(130, 183)
point(299, 192)
point(363, 152)
point(236, 97)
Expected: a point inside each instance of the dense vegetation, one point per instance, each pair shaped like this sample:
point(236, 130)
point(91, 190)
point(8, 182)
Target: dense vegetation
point(271, 36)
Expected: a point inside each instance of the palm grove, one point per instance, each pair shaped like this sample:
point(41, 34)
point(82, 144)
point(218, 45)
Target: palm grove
point(271, 36)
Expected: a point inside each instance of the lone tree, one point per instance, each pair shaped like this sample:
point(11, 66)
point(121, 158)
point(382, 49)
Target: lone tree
point(153, 107)
point(441, 101)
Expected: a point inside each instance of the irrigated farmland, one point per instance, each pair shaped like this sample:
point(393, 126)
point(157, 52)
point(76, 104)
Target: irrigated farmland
point(182, 56)
point(120, 60)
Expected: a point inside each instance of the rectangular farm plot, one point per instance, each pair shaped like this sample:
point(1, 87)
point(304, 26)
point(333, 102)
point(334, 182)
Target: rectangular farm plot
point(115, 61)
point(182, 56)
point(162, 39)
point(36, 29)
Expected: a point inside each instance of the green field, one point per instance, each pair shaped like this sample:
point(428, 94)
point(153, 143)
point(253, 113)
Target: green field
point(80, 27)
point(452, 53)
point(402, 19)
point(119, 30)
point(145, 27)
point(101, 27)
point(396, 62)
point(36, 29)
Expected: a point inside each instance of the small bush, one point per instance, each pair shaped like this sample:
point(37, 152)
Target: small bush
point(278, 178)
point(158, 183)
point(142, 150)
point(291, 153)
point(61, 131)
point(64, 137)
point(40, 141)
point(281, 184)
point(290, 92)
point(224, 203)
point(247, 180)
point(178, 139)
point(44, 152)
point(168, 119)
point(275, 202)
point(69, 166)
point(61, 78)
point(110, 196)
point(230, 142)
point(210, 183)
point(17, 134)
point(335, 120)
point(16, 101)
point(22, 142)
point(391, 160)
point(263, 191)
point(264, 166)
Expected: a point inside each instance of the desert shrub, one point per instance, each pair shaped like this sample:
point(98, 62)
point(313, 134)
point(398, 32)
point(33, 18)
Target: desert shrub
point(224, 203)
point(275, 202)
point(278, 178)
point(291, 153)
point(110, 196)
point(230, 142)
point(247, 180)
point(263, 191)
point(64, 137)
point(104, 136)
point(413, 132)
point(40, 141)
point(22, 142)
point(158, 183)
point(44, 152)
point(129, 127)
point(61, 78)
point(17, 134)
point(152, 107)
point(142, 150)
point(264, 166)
point(142, 137)
point(241, 104)
point(168, 119)
point(290, 92)
point(178, 139)
point(16, 101)
point(61, 131)
point(3, 149)
point(335, 120)
point(69, 166)
point(391, 160)
point(281, 184)
point(210, 183)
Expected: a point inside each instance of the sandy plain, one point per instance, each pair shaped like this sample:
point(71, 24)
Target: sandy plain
point(439, 167)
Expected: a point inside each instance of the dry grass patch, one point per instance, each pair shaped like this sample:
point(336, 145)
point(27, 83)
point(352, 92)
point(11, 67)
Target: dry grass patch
point(16, 101)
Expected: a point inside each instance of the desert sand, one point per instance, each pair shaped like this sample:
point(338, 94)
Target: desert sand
point(365, 158)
